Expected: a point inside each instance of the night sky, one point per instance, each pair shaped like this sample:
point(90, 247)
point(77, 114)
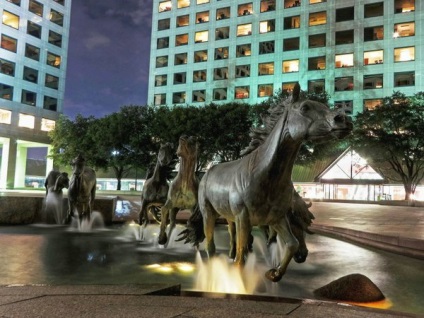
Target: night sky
point(108, 57)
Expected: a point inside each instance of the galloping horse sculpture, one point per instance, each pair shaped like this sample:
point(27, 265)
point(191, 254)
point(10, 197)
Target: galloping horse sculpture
point(155, 189)
point(257, 189)
point(183, 190)
point(82, 190)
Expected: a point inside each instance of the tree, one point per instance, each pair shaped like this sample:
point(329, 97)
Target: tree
point(392, 136)
point(70, 138)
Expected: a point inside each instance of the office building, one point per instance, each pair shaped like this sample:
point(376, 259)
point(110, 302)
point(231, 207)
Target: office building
point(33, 54)
point(205, 51)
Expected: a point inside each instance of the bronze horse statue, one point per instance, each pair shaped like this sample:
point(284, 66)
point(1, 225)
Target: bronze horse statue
point(82, 190)
point(257, 189)
point(56, 181)
point(183, 190)
point(54, 184)
point(155, 189)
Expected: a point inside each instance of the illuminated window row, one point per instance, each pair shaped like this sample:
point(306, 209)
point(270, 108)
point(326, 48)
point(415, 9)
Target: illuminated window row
point(27, 97)
point(401, 79)
point(370, 10)
point(18, 2)
point(12, 20)
point(404, 54)
point(26, 121)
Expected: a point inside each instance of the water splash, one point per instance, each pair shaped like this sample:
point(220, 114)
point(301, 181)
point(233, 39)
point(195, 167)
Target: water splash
point(53, 210)
point(94, 224)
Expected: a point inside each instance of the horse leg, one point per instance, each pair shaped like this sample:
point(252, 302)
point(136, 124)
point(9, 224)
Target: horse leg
point(162, 239)
point(232, 232)
point(243, 229)
point(209, 218)
point(70, 213)
point(284, 232)
point(172, 222)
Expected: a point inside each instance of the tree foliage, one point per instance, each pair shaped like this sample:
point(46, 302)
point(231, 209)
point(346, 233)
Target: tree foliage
point(392, 136)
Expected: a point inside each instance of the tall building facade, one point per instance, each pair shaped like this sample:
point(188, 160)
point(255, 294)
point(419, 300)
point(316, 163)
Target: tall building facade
point(33, 54)
point(360, 51)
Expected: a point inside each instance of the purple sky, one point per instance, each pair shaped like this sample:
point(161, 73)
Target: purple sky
point(108, 58)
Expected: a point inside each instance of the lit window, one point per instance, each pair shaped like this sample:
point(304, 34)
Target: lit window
point(181, 39)
point(242, 92)
point(47, 124)
point(183, 3)
point(202, 17)
point(405, 54)
point(160, 80)
point(8, 43)
point(267, 26)
point(35, 7)
point(317, 18)
point(265, 90)
point(291, 4)
point(183, 20)
point(244, 29)
point(5, 116)
point(220, 94)
point(404, 29)
point(372, 103)
point(245, 9)
point(165, 6)
point(159, 99)
point(223, 13)
point(373, 57)
point(28, 98)
point(290, 66)
point(343, 83)
point(202, 1)
point(316, 1)
point(287, 88)
point(243, 50)
point(26, 121)
point(6, 91)
point(10, 19)
point(243, 71)
point(404, 79)
point(179, 98)
point(7, 67)
point(344, 60)
point(267, 5)
point(200, 56)
point(56, 17)
point(373, 81)
point(199, 96)
point(266, 68)
point(403, 6)
point(201, 36)
point(50, 103)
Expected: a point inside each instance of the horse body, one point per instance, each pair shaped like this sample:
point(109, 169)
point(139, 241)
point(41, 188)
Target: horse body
point(257, 189)
point(82, 190)
point(155, 189)
point(183, 190)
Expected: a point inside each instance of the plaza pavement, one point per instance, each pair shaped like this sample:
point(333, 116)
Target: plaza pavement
point(399, 229)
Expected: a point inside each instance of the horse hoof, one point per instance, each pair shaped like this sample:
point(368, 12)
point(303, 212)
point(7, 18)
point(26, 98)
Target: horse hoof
point(273, 275)
point(162, 239)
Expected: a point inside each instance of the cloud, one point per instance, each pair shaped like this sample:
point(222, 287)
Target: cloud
point(95, 40)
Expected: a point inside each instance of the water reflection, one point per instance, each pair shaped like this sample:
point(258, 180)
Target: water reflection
point(58, 255)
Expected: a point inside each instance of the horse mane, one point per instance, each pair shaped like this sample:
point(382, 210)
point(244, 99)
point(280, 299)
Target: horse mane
point(259, 134)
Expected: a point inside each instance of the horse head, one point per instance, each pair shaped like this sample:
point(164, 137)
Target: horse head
point(187, 147)
point(315, 121)
point(165, 154)
point(78, 165)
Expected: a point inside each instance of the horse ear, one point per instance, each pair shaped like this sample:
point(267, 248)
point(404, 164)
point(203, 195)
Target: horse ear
point(296, 92)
